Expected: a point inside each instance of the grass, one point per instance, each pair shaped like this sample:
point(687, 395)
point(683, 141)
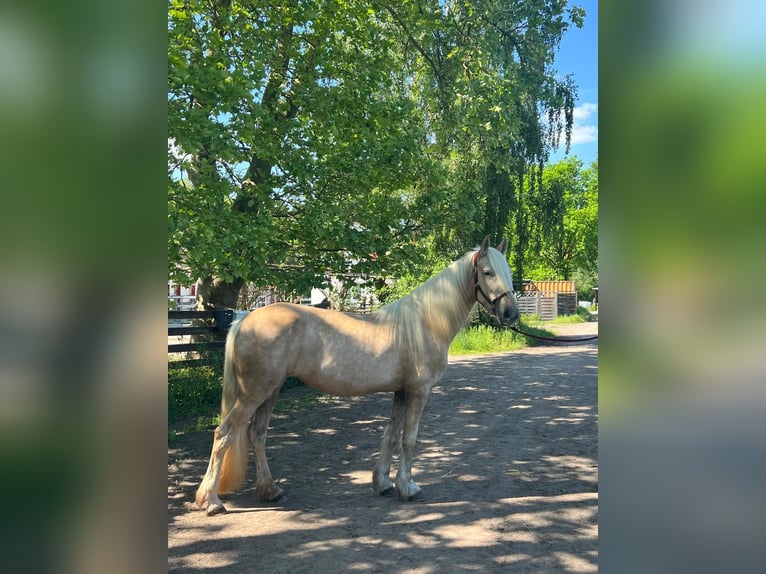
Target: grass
point(193, 392)
point(582, 316)
point(194, 400)
point(484, 339)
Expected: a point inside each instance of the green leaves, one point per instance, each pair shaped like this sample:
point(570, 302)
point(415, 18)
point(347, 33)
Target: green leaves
point(565, 212)
point(311, 134)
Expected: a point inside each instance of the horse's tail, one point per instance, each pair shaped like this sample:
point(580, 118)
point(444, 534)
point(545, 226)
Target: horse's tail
point(234, 464)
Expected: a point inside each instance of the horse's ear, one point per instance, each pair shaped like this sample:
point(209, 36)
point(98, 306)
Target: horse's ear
point(502, 247)
point(484, 247)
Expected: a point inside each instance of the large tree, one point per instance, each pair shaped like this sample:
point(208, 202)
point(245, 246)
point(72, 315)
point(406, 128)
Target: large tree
point(309, 136)
point(565, 211)
point(293, 150)
point(493, 102)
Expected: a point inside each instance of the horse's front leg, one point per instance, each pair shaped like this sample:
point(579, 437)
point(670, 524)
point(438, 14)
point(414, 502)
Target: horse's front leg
point(413, 409)
point(392, 437)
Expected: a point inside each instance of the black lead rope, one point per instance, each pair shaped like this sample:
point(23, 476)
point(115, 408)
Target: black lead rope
point(555, 339)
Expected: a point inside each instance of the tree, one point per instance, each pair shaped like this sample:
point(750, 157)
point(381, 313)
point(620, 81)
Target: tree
point(315, 136)
point(565, 209)
point(300, 153)
point(493, 102)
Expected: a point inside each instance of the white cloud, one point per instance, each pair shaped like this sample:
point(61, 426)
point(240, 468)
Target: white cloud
point(585, 128)
point(584, 134)
point(585, 111)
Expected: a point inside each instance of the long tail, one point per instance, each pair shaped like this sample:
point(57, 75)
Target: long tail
point(234, 464)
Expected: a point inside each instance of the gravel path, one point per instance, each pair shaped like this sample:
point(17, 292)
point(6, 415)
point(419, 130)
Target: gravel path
point(507, 459)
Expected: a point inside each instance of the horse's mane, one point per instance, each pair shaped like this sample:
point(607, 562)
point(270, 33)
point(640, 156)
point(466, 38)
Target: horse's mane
point(436, 307)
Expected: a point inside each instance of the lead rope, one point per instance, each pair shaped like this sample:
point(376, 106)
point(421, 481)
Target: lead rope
point(555, 339)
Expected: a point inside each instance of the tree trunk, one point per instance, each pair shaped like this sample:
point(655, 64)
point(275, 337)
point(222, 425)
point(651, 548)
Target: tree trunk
point(214, 293)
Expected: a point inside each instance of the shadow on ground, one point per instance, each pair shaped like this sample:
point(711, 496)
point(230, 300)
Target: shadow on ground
point(507, 458)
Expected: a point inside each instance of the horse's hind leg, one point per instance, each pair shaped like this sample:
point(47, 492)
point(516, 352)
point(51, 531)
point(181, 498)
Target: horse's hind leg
point(392, 438)
point(232, 427)
point(265, 488)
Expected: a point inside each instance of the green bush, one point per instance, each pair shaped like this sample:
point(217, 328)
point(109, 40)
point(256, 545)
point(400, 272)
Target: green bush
point(584, 283)
point(193, 392)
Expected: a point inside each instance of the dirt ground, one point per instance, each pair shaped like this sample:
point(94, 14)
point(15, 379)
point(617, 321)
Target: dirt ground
point(507, 459)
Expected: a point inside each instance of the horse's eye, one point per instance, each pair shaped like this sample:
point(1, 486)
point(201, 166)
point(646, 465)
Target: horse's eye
point(487, 272)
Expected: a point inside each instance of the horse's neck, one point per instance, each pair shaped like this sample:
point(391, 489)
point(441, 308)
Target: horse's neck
point(451, 300)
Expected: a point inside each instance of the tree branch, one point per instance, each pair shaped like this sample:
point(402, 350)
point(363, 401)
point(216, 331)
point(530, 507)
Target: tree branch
point(438, 73)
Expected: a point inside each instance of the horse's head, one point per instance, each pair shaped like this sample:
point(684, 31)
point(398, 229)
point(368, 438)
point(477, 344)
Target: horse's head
point(492, 283)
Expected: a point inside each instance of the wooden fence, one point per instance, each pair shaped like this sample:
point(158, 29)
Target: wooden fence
point(537, 303)
point(549, 286)
point(182, 323)
point(548, 299)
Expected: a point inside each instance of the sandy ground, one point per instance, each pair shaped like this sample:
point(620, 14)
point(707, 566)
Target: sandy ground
point(507, 459)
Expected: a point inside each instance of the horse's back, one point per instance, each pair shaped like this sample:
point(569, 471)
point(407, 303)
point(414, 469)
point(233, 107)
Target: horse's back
point(336, 352)
point(270, 322)
point(274, 321)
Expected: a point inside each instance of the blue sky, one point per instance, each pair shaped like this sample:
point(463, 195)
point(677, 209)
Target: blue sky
point(578, 55)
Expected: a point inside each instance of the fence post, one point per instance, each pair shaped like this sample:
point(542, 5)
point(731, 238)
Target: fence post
point(223, 319)
point(539, 304)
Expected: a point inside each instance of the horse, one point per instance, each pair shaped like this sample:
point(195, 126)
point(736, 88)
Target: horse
point(400, 348)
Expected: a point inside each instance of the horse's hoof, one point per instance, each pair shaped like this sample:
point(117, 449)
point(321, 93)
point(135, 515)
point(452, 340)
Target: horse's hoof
point(271, 494)
point(413, 493)
point(214, 509)
point(277, 496)
point(390, 491)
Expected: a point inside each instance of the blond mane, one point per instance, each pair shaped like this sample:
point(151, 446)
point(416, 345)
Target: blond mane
point(437, 308)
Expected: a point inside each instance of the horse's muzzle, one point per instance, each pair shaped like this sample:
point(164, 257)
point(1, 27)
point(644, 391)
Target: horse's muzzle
point(506, 309)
